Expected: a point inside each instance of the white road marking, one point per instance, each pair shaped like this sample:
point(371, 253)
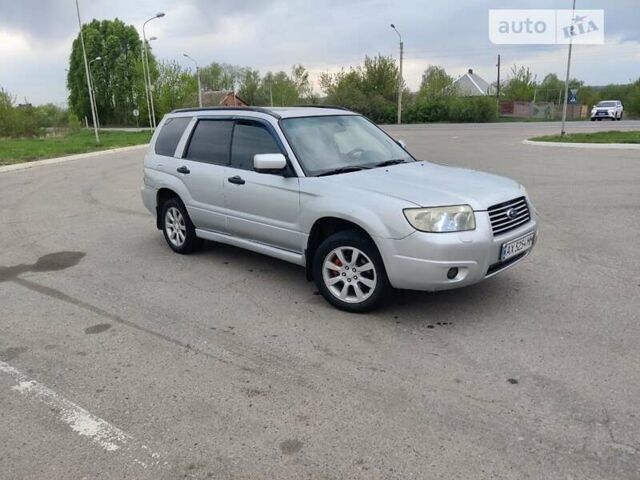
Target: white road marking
point(81, 421)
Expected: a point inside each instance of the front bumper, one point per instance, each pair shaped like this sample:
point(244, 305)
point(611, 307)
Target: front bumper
point(604, 115)
point(421, 260)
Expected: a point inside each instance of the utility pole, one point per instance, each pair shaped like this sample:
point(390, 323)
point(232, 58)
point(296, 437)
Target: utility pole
point(86, 71)
point(498, 81)
point(400, 79)
point(566, 83)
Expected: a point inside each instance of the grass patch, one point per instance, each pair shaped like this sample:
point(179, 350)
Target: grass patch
point(18, 150)
point(613, 136)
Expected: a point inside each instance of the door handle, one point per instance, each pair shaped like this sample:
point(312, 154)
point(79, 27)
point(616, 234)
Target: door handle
point(237, 179)
point(183, 169)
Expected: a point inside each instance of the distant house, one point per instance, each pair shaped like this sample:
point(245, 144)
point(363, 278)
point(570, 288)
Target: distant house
point(222, 98)
point(470, 84)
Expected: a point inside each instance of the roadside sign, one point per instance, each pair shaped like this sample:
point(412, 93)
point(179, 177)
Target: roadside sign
point(136, 112)
point(573, 95)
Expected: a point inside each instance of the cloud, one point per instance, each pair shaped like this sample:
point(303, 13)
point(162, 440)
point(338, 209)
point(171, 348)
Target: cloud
point(35, 37)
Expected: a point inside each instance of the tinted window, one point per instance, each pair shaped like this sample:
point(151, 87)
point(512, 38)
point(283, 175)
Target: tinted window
point(210, 142)
point(170, 135)
point(250, 139)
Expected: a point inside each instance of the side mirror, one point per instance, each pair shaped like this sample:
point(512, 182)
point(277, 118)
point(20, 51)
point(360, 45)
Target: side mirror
point(269, 162)
point(402, 143)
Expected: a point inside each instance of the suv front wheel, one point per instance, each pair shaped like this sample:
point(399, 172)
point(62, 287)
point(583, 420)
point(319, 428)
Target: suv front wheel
point(178, 230)
point(349, 272)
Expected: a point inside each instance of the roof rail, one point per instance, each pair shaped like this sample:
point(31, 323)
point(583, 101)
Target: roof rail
point(243, 109)
point(333, 107)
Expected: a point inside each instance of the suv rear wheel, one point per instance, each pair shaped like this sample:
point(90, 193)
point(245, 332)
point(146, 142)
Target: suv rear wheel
point(178, 230)
point(349, 272)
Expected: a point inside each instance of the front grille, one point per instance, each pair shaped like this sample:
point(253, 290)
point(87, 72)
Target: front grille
point(501, 222)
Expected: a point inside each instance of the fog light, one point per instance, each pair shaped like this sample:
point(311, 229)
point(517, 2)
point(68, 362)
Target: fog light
point(452, 273)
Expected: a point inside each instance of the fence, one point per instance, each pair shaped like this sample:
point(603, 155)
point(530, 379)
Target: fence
point(545, 110)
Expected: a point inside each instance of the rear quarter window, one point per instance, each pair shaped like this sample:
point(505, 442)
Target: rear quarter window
point(170, 135)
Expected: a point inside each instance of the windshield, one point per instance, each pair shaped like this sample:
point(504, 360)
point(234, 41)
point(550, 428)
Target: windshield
point(607, 104)
point(325, 144)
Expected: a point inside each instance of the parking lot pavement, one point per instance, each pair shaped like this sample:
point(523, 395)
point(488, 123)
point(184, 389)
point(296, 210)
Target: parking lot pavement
point(120, 359)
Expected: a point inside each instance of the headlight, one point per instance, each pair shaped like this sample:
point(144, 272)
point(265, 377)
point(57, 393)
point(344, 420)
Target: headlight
point(457, 218)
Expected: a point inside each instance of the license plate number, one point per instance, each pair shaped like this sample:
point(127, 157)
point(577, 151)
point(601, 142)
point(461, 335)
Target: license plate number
point(517, 246)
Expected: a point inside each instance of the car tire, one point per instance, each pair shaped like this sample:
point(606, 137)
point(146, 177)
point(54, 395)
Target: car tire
point(177, 227)
point(341, 280)
point(620, 117)
point(593, 119)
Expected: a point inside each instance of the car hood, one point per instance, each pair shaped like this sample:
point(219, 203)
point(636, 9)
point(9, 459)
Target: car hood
point(427, 184)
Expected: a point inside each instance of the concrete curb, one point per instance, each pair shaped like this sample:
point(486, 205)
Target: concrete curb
point(68, 158)
point(597, 146)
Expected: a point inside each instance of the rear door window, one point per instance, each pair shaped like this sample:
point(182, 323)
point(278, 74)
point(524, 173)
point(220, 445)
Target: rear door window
point(249, 139)
point(170, 135)
point(210, 142)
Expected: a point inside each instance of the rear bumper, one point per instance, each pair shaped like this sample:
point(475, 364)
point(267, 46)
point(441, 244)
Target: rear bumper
point(421, 261)
point(149, 195)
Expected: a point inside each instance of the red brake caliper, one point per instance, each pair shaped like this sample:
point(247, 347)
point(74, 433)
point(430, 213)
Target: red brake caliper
point(336, 261)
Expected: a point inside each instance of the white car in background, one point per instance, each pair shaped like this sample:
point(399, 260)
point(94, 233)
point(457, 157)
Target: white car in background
point(607, 109)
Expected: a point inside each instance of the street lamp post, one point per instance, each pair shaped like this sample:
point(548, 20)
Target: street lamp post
point(93, 86)
point(198, 76)
point(86, 71)
point(400, 79)
point(152, 112)
point(144, 81)
point(144, 76)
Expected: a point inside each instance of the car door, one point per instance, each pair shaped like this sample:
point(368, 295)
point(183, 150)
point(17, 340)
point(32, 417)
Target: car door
point(203, 170)
point(262, 207)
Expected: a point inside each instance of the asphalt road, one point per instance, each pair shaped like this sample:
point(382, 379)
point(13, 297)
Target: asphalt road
point(120, 359)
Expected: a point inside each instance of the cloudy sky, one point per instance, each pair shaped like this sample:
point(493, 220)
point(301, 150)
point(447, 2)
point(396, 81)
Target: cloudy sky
point(323, 35)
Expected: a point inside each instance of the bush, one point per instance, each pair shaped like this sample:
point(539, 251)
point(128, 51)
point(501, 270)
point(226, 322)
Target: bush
point(452, 109)
point(73, 122)
point(29, 121)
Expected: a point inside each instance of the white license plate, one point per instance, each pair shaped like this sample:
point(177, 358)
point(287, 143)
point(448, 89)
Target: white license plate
point(517, 246)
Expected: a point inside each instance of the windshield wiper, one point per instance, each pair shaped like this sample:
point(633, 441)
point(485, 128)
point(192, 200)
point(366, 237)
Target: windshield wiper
point(387, 163)
point(353, 168)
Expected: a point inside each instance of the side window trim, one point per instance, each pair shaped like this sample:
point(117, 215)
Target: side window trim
point(181, 149)
point(189, 137)
point(290, 170)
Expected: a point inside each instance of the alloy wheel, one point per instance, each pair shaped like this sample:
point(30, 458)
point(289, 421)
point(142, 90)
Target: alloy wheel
point(349, 274)
point(175, 227)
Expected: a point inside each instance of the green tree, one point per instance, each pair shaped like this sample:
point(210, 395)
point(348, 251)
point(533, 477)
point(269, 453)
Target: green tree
point(631, 100)
point(220, 76)
point(279, 87)
point(436, 82)
point(176, 87)
point(117, 76)
point(370, 88)
point(249, 87)
point(300, 77)
point(521, 86)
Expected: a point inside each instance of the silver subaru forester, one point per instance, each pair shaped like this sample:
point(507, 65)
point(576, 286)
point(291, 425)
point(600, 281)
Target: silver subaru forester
point(327, 189)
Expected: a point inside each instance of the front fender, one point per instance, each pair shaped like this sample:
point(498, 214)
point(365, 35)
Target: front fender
point(384, 220)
